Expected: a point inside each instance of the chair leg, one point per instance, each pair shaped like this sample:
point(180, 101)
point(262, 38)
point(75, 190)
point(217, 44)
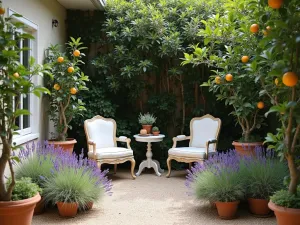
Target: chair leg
point(132, 168)
point(99, 165)
point(115, 168)
point(190, 166)
point(169, 167)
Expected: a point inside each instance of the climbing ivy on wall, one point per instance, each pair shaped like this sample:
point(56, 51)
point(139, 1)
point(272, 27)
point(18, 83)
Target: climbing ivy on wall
point(134, 56)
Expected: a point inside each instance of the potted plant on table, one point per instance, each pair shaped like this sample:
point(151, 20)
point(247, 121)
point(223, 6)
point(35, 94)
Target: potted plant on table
point(229, 50)
point(15, 82)
point(262, 176)
point(147, 120)
point(68, 81)
point(278, 70)
point(218, 180)
point(75, 183)
point(155, 131)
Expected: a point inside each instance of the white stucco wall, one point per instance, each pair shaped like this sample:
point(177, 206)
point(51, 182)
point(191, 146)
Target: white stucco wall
point(41, 13)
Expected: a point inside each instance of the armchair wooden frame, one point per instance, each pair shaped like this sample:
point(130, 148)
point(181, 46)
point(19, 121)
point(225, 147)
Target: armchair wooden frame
point(92, 147)
point(187, 159)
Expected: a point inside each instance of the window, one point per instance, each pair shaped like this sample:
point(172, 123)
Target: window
point(25, 122)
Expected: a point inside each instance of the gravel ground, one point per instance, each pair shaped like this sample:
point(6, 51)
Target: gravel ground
point(150, 200)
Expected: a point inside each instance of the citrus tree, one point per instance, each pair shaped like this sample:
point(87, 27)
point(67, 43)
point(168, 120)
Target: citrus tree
point(15, 82)
point(68, 81)
point(277, 67)
point(230, 48)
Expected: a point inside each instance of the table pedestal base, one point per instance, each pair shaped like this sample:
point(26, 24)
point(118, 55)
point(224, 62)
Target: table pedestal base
point(150, 163)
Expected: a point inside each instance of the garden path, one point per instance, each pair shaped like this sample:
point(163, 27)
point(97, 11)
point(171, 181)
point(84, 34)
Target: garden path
point(150, 200)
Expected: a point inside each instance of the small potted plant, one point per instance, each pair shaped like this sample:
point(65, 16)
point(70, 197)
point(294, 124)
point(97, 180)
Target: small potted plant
point(218, 181)
point(155, 131)
point(68, 80)
point(262, 175)
point(147, 120)
point(75, 183)
point(15, 80)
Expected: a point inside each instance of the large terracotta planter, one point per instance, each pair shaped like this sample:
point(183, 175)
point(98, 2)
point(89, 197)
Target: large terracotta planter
point(148, 128)
point(227, 210)
point(259, 207)
point(67, 145)
point(244, 148)
point(67, 209)
point(39, 207)
point(285, 216)
point(18, 212)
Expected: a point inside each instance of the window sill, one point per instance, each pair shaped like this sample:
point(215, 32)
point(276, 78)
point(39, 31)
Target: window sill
point(26, 138)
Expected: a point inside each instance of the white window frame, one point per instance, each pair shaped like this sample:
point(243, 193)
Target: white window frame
point(30, 133)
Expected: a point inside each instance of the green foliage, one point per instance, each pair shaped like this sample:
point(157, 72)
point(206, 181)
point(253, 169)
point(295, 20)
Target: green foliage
point(155, 129)
point(68, 80)
point(262, 177)
point(285, 199)
point(225, 187)
point(147, 119)
point(24, 189)
point(15, 80)
point(72, 185)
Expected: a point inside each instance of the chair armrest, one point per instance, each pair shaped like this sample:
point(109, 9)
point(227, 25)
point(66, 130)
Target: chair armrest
point(180, 138)
point(124, 139)
point(93, 143)
point(210, 141)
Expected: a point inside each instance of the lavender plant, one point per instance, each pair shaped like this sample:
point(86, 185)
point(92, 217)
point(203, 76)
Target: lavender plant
point(262, 174)
point(75, 180)
point(217, 179)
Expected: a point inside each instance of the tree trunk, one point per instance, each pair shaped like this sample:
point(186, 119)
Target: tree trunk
point(3, 191)
point(183, 105)
point(247, 136)
point(293, 174)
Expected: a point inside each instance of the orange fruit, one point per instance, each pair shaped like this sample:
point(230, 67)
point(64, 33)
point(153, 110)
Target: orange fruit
point(245, 59)
point(276, 81)
point(275, 4)
point(218, 80)
point(2, 11)
point(260, 105)
point(290, 79)
point(60, 59)
point(76, 53)
point(254, 28)
point(229, 77)
point(16, 75)
point(70, 69)
point(73, 91)
point(56, 87)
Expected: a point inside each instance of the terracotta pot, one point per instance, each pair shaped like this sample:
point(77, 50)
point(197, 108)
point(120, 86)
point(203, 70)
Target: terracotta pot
point(285, 216)
point(244, 148)
point(39, 207)
point(155, 133)
point(89, 206)
point(148, 128)
point(67, 209)
point(259, 207)
point(227, 210)
point(18, 212)
point(67, 145)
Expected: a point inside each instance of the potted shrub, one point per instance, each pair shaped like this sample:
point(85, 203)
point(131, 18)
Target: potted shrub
point(155, 131)
point(278, 71)
point(74, 184)
point(68, 81)
point(218, 180)
point(229, 50)
point(147, 120)
point(262, 176)
point(35, 156)
point(15, 81)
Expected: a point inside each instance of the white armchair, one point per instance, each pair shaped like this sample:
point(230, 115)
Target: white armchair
point(204, 133)
point(102, 143)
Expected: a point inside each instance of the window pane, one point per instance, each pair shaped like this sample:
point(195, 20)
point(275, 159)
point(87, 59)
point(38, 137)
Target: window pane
point(26, 105)
point(17, 123)
point(26, 54)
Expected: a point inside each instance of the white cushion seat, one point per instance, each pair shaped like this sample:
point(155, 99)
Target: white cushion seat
point(192, 152)
point(111, 153)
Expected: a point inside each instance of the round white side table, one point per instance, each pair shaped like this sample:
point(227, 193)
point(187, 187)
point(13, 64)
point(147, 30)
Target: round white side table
point(149, 162)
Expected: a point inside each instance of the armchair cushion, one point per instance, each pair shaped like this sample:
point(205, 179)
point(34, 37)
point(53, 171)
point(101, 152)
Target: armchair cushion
point(189, 152)
point(111, 153)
